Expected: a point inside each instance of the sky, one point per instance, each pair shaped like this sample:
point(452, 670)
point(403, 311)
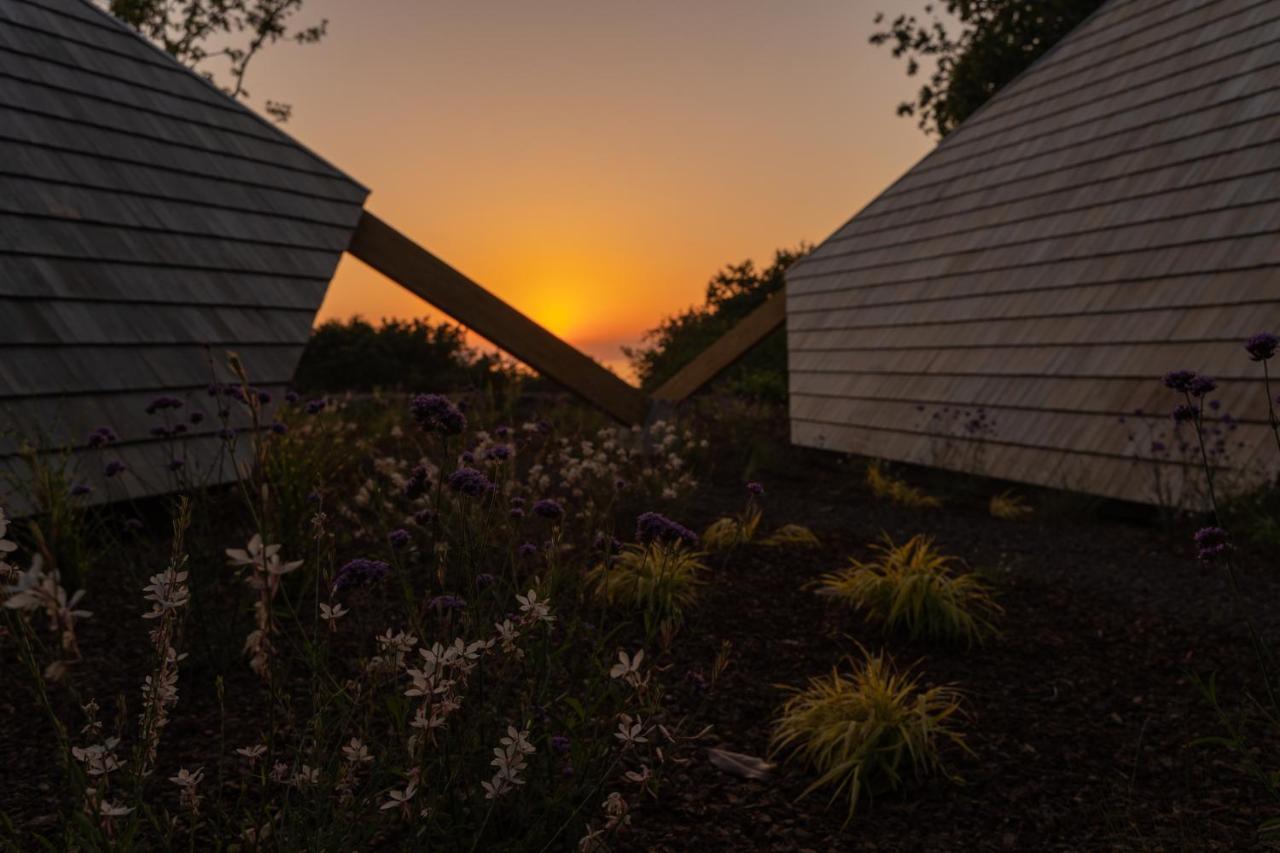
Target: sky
point(594, 162)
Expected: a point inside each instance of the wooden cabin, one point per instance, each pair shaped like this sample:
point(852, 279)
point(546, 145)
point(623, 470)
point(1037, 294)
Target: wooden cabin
point(1010, 304)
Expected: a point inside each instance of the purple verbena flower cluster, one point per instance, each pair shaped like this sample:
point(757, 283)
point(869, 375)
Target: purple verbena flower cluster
point(549, 509)
point(101, 437)
point(470, 482)
point(1211, 543)
point(651, 526)
point(1262, 346)
point(435, 413)
point(360, 572)
point(160, 404)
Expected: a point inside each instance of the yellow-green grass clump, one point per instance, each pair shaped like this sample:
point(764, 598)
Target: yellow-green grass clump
point(727, 533)
point(890, 488)
point(1008, 506)
point(868, 731)
point(916, 589)
point(792, 534)
point(659, 579)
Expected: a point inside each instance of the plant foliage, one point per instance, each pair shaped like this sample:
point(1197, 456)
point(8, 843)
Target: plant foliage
point(869, 731)
point(658, 579)
point(887, 487)
point(914, 588)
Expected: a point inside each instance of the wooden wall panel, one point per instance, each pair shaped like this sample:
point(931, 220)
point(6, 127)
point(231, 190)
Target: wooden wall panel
point(148, 224)
point(1111, 215)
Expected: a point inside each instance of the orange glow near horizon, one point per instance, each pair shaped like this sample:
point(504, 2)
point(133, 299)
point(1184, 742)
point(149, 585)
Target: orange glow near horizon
point(595, 163)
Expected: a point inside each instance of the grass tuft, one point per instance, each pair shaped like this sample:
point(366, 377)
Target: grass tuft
point(659, 579)
point(869, 731)
point(727, 533)
point(792, 534)
point(914, 588)
point(1008, 506)
point(890, 488)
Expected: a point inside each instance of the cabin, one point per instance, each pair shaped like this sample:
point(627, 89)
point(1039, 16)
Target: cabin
point(149, 226)
point(1009, 306)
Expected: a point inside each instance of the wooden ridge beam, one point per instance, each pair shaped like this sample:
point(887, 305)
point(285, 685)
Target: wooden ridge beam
point(722, 354)
point(417, 270)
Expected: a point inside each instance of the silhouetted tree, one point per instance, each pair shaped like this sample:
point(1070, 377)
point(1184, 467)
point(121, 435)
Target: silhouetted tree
point(732, 294)
point(196, 32)
point(996, 40)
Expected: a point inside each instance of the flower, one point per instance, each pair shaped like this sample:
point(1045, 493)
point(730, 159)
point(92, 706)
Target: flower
point(316, 406)
point(1184, 413)
point(652, 525)
point(399, 539)
point(419, 479)
point(470, 482)
point(360, 572)
point(101, 437)
point(253, 753)
point(630, 732)
point(1179, 380)
point(627, 667)
point(113, 468)
point(160, 404)
point(560, 744)
point(1212, 543)
point(400, 798)
point(434, 413)
point(1262, 346)
point(535, 609)
point(548, 508)
point(447, 602)
point(332, 613)
point(356, 752)
point(79, 490)
point(755, 488)
point(1201, 386)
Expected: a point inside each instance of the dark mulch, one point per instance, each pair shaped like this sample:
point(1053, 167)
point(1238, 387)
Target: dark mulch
point(1083, 712)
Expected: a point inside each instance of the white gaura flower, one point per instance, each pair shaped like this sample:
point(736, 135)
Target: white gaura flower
point(628, 667)
point(332, 613)
point(644, 774)
point(356, 752)
point(630, 732)
point(518, 740)
point(109, 809)
point(615, 810)
point(256, 554)
point(535, 609)
point(253, 753)
point(400, 798)
point(166, 591)
point(188, 778)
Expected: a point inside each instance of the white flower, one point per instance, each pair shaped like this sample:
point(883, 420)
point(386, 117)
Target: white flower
point(356, 752)
point(166, 591)
point(253, 753)
point(628, 667)
point(109, 809)
point(187, 778)
point(401, 798)
point(531, 606)
point(306, 775)
point(332, 613)
point(639, 777)
point(519, 740)
point(629, 732)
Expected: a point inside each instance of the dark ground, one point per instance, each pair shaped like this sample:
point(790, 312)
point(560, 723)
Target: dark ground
point(1082, 713)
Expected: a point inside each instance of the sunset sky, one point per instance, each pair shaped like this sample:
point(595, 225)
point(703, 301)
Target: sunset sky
point(594, 163)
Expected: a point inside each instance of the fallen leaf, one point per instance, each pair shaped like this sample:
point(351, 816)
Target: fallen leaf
point(737, 764)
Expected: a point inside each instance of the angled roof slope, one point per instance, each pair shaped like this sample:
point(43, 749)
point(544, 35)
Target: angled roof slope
point(148, 223)
point(1110, 215)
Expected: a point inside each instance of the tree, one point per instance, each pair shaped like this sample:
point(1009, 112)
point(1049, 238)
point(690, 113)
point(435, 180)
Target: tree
point(997, 39)
point(198, 32)
point(732, 294)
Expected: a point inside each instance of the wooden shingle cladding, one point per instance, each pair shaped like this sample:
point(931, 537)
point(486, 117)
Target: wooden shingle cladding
point(1110, 215)
point(148, 225)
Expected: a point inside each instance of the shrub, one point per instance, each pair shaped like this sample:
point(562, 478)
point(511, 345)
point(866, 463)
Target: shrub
point(915, 588)
point(792, 534)
point(1009, 507)
point(887, 487)
point(727, 533)
point(659, 579)
point(870, 731)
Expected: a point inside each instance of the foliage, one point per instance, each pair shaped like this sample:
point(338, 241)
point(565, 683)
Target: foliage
point(398, 355)
point(732, 294)
point(792, 534)
point(1009, 507)
point(887, 487)
point(869, 731)
point(410, 670)
point(915, 588)
point(197, 32)
point(725, 534)
point(984, 45)
point(658, 579)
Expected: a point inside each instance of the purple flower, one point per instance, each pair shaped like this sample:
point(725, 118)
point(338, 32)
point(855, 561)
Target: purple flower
point(447, 602)
point(1262, 346)
point(516, 500)
point(1201, 386)
point(502, 431)
point(316, 406)
point(291, 396)
point(114, 467)
point(485, 579)
point(1212, 543)
point(468, 458)
point(548, 508)
point(399, 539)
point(1179, 380)
point(469, 481)
point(755, 488)
point(517, 512)
point(653, 525)
point(1184, 413)
point(499, 453)
point(423, 517)
point(360, 572)
point(559, 744)
point(264, 397)
point(161, 432)
point(434, 413)
point(279, 428)
point(160, 404)
point(101, 437)
point(79, 490)
point(527, 550)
